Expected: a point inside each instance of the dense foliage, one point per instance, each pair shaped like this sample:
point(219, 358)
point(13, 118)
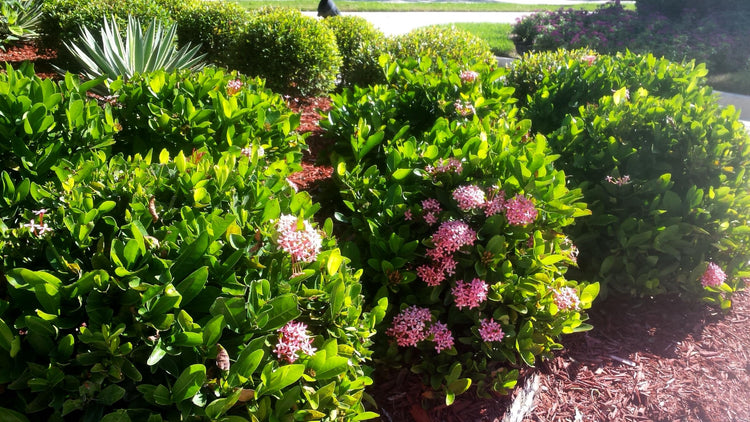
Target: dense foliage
point(171, 287)
point(360, 45)
point(663, 171)
point(459, 221)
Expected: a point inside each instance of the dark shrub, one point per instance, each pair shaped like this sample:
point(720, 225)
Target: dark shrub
point(215, 25)
point(360, 45)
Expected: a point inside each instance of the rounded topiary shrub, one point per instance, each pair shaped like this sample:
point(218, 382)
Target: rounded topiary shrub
point(176, 287)
point(449, 44)
point(360, 45)
point(184, 110)
point(666, 181)
point(462, 227)
point(215, 26)
point(296, 54)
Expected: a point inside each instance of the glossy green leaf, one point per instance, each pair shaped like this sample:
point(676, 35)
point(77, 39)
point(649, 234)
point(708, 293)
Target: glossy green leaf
point(188, 383)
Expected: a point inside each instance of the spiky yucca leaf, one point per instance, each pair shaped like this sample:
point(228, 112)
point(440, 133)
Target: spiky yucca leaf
point(139, 52)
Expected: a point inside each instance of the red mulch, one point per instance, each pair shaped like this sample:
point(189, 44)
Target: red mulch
point(645, 360)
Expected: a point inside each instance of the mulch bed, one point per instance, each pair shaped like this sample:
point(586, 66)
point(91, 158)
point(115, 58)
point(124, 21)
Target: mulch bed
point(645, 360)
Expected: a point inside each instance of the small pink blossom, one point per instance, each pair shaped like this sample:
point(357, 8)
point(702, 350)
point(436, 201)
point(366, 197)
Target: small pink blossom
point(430, 275)
point(407, 215)
point(590, 59)
point(293, 338)
point(495, 205)
point(520, 211)
point(442, 336)
point(620, 181)
point(471, 294)
point(464, 108)
point(409, 326)
point(430, 218)
point(469, 76)
point(431, 204)
point(234, 86)
point(490, 330)
point(566, 299)
point(714, 276)
point(469, 197)
point(303, 244)
point(38, 229)
point(452, 235)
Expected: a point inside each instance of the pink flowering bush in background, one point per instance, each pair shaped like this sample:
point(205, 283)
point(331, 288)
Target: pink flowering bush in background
point(461, 226)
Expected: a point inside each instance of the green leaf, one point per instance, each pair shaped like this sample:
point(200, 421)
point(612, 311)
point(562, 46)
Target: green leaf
point(328, 367)
point(274, 381)
point(192, 285)
point(334, 261)
point(337, 298)
point(218, 407)
point(190, 257)
point(280, 310)
point(111, 394)
point(363, 416)
point(45, 286)
point(232, 308)
point(212, 330)
point(118, 416)
point(8, 415)
point(247, 363)
point(6, 336)
point(188, 383)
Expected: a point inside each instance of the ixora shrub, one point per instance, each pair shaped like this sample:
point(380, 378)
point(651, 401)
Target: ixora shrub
point(296, 54)
point(183, 110)
point(417, 93)
point(137, 52)
point(360, 45)
point(449, 44)
point(462, 228)
point(181, 288)
point(551, 85)
point(41, 121)
point(666, 181)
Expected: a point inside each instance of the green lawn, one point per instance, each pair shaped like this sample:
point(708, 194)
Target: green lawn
point(387, 6)
point(496, 34)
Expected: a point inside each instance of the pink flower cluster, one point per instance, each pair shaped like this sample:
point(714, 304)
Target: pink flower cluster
point(469, 295)
point(520, 211)
point(431, 208)
point(410, 327)
point(442, 336)
point(469, 197)
point(234, 86)
point(566, 299)
point(495, 205)
point(490, 330)
point(451, 165)
point(303, 244)
point(293, 339)
point(620, 181)
point(38, 228)
point(468, 76)
point(452, 235)
point(713, 276)
point(590, 59)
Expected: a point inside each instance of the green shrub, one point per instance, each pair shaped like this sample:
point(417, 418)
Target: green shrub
point(42, 121)
point(211, 109)
point(360, 45)
point(400, 202)
point(159, 289)
point(62, 19)
point(675, 8)
point(551, 85)
point(448, 44)
point(666, 181)
point(138, 52)
point(215, 25)
point(296, 54)
point(417, 93)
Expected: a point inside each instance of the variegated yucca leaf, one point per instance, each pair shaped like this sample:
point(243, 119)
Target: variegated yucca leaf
point(139, 52)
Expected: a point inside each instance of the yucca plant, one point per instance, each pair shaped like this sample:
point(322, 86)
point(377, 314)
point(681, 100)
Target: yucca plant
point(19, 20)
point(139, 52)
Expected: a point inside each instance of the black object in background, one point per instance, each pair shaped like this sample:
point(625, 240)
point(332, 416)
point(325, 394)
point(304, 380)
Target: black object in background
point(326, 8)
